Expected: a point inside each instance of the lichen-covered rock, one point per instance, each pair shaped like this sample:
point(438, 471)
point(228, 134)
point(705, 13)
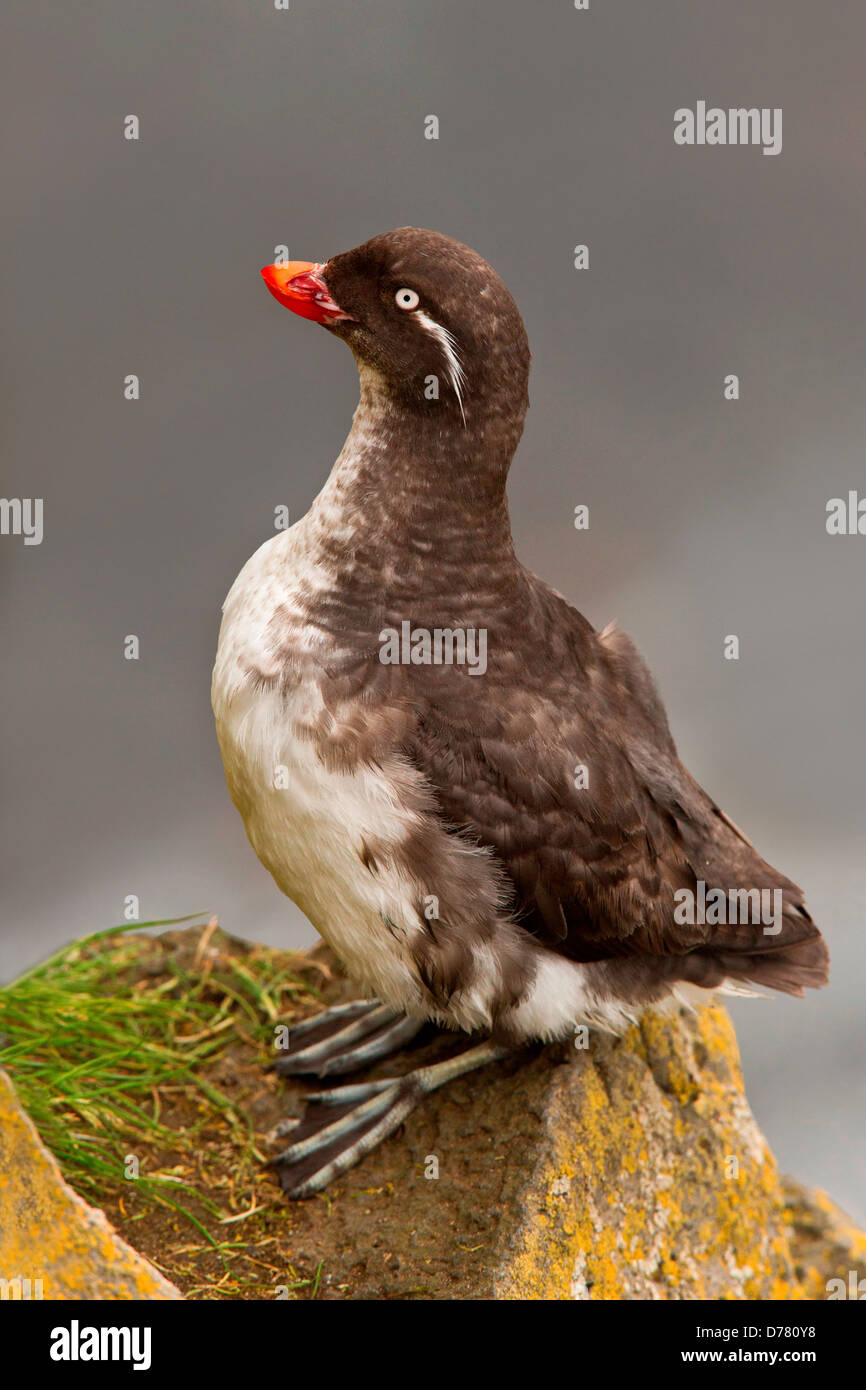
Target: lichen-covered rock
point(52, 1244)
point(651, 1180)
point(633, 1169)
point(825, 1243)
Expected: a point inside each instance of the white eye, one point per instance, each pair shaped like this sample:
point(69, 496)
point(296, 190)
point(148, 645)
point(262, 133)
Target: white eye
point(406, 299)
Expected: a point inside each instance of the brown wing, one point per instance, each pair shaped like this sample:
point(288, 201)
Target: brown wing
point(560, 759)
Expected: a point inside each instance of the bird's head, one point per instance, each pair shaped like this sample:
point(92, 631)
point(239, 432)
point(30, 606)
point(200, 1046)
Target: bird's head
point(429, 317)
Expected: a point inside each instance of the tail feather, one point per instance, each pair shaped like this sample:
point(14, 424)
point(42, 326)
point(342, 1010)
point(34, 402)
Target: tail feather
point(789, 967)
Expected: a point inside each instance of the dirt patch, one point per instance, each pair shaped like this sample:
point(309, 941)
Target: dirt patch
point(372, 1230)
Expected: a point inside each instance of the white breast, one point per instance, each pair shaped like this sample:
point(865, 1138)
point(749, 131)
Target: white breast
point(307, 823)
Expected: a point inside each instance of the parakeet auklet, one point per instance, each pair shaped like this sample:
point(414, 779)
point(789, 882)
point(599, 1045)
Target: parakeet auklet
point(472, 794)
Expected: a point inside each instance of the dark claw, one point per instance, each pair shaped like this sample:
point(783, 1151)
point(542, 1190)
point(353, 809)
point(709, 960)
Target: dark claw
point(337, 1132)
point(337, 1015)
point(345, 1039)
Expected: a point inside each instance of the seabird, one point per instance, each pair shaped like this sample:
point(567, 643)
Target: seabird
point(505, 851)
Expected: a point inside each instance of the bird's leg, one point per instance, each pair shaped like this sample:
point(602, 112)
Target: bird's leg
point(342, 1125)
point(346, 1038)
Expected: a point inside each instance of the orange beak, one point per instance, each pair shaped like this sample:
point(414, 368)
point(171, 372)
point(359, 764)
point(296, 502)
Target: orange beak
point(300, 287)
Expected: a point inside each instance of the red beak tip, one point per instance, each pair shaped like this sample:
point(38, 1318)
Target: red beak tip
point(299, 287)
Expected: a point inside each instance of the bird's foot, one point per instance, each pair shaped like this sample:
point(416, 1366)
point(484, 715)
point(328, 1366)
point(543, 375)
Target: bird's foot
point(346, 1038)
point(342, 1125)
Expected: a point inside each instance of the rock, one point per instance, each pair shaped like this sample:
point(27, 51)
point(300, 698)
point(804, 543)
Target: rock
point(48, 1233)
point(650, 1180)
point(825, 1242)
point(631, 1170)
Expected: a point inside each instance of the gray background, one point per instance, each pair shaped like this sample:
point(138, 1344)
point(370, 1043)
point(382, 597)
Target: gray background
point(707, 517)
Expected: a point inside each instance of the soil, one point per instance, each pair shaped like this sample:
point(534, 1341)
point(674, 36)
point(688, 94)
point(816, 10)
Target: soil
point(378, 1232)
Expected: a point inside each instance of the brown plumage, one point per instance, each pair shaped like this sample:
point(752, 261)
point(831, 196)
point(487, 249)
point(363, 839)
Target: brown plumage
point(590, 873)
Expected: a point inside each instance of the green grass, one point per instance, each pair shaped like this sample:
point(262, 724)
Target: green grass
point(96, 1042)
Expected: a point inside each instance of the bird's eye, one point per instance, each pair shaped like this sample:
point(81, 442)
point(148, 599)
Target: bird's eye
point(407, 299)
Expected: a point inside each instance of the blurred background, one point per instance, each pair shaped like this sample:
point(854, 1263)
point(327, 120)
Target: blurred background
point(306, 127)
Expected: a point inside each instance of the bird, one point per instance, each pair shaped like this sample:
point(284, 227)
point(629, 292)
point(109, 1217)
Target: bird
point(472, 793)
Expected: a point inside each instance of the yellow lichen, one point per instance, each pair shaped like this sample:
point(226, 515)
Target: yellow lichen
point(49, 1233)
point(651, 1207)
